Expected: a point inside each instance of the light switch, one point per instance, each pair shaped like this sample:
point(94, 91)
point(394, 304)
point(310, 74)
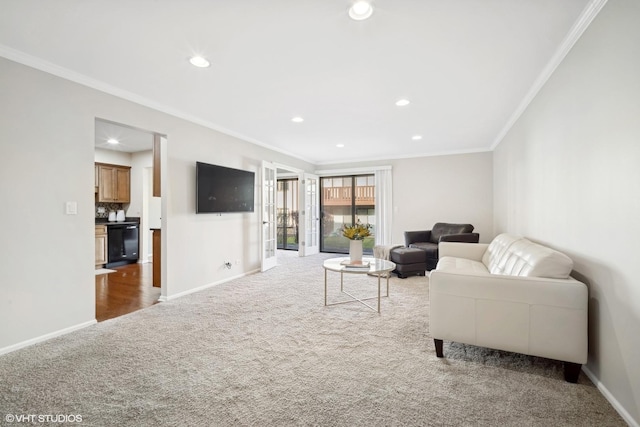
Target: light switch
point(71, 208)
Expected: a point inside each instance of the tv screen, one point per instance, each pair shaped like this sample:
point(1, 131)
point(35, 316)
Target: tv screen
point(220, 189)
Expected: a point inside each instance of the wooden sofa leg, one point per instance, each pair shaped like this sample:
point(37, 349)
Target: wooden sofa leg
point(438, 344)
point(571, 372)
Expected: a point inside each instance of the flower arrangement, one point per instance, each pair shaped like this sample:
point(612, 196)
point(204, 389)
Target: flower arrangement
point(357, 231)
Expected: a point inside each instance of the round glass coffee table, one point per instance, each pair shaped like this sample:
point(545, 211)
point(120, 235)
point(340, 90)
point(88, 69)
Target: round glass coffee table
point(376, 267)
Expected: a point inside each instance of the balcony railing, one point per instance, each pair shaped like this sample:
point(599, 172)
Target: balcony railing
point(341, 196)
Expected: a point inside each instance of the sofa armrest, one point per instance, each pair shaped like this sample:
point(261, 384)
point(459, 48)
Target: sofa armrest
point(416, 236)
point(463, 237)
point(462, 250)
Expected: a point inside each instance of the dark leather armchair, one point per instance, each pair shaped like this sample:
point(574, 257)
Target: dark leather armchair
point(428, 240)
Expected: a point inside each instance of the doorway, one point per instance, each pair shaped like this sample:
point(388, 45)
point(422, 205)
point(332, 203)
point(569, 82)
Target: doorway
point(123, 289)
point(346, 200)
point(308, 211)
point(287, 213)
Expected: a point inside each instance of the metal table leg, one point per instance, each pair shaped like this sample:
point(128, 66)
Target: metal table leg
point(378, 293)
point(388, 274)
point(325, 287)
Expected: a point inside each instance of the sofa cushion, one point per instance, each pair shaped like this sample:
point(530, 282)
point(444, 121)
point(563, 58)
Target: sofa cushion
point(431, 249)
point(461, 266)
point(441, 228)
point(407, 256)
point(517, 256)
point(497, 250)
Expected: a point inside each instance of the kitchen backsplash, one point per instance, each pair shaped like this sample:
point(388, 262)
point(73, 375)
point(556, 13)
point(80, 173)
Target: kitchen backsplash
point(108, 207)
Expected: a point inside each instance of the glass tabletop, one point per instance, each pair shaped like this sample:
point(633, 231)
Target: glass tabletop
point(376, 265)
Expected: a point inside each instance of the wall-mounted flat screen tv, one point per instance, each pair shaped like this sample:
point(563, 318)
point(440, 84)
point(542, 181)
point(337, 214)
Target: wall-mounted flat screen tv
point(223, 190)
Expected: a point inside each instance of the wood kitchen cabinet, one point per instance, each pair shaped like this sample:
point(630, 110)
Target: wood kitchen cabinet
point(101, 245)
point(113, 183)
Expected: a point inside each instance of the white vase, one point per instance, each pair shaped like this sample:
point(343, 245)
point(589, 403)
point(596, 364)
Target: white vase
point(355, 250)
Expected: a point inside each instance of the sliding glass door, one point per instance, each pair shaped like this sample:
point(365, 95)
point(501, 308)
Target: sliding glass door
point(346, 200)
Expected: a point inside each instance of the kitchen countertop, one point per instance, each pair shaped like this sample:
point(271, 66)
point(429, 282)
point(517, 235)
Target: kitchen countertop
point(127, 221)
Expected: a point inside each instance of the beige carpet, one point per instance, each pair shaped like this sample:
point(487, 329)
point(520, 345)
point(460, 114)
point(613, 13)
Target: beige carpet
point(264, 351)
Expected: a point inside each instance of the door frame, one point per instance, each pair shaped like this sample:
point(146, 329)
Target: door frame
point(290, 171)
point(164, 178)
point(311, 217)
point(286, 192)
point(268, 220)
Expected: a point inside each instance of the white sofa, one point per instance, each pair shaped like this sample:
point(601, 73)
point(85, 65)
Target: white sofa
point(512, 295)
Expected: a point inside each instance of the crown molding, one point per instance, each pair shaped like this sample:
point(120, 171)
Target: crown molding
point(584, 20)
point(67, 74)
point(408, 156)
point(347, 171)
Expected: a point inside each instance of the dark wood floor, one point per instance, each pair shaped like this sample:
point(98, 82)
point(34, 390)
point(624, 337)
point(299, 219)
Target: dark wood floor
point(128, 289)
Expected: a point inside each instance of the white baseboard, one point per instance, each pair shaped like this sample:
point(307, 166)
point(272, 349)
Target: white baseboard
point(614, 402)
point(201, 288)
point(70, 329)
point(46, 337)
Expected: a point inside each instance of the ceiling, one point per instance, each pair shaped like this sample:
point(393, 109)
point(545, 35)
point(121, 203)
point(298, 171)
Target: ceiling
point(466, 66)
point(129, 140)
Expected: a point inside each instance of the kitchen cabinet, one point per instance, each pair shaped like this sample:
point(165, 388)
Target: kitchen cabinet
point(97, 180)
point(113, 183)
point(101, 245)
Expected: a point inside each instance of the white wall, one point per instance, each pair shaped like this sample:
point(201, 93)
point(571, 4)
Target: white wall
point(140, 163)
point(112, 157)
point(568, 175)
point(141, 169)
point(453, 188)
point(47, 158)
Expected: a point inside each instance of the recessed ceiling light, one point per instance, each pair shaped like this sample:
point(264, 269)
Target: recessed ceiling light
point(199, 61)
point(416, 137)
point(402, 102)
point(113, 141)
point(340, 145)
point(360, 10)
point(297, 119)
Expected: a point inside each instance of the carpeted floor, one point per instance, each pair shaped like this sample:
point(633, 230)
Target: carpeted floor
point(264, 351)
